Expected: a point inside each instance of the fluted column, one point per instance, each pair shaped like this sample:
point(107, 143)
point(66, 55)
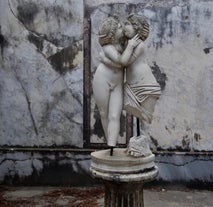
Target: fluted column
point(123, 194)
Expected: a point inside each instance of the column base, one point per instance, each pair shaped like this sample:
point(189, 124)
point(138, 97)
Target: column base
point(123, 176)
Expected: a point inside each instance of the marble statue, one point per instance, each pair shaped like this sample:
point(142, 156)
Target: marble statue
point(123, 57)
point(108, 78)
point(124, 80)
point(141, 89)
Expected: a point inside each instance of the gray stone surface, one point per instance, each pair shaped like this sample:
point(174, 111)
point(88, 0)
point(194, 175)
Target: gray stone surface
point(176, 198)
point(43, 196)
point(41, 74)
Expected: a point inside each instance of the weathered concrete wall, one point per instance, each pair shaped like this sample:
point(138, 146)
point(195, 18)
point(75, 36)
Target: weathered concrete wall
point(41, 77)
point(45, 168)
point(191, 169)
point(41, 87)
point(178, 47)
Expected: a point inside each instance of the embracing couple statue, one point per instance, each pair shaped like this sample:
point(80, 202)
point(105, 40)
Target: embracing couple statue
point(123, 79)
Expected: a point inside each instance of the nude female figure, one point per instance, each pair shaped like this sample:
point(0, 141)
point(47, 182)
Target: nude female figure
point(141, 89)
point(108, 79)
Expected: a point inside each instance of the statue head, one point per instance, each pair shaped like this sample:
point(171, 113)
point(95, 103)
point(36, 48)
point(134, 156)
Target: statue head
point(140, 25)
point(109, 30)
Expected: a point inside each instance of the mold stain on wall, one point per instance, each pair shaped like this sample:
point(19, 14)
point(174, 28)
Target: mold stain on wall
point(27, 12)
point(160, 76)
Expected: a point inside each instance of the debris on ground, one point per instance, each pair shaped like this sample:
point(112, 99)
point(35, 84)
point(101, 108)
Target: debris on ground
point(52, 197)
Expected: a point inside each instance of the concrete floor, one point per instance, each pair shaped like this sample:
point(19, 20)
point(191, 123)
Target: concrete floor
point(94, 197)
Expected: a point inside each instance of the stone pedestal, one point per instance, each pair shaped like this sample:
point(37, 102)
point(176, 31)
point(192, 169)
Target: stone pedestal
point(123, 176)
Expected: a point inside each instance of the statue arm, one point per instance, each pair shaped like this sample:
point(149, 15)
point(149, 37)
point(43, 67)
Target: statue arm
point(136, 53)
point(123, 59)
point(108, 62)
point(129, 55)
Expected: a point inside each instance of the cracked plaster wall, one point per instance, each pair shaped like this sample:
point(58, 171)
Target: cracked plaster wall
point(40, 168)
point(180, 45)
point(193, 169)
point(41, 73)
point(41, 85)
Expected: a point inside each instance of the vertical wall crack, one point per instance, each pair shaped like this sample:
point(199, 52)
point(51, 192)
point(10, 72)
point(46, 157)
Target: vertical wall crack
point(28, 105)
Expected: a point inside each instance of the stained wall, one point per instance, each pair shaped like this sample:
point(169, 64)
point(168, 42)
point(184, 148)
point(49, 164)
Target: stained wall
point(43, 105)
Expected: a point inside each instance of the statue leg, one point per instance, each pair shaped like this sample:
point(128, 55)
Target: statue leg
point(101, 92)
point(115, 108)
point(104, 121)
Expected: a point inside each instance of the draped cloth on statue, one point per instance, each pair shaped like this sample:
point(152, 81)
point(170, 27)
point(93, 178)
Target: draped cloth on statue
point(134, 97)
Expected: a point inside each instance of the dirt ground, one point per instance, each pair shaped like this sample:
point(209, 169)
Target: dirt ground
point(94, 197)
point(50, 197)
